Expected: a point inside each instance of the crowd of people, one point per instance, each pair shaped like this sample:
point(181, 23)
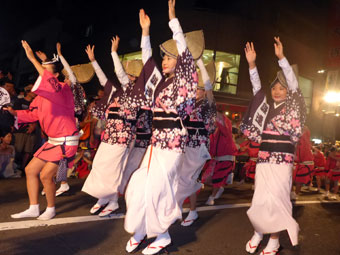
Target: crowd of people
point(157, 135)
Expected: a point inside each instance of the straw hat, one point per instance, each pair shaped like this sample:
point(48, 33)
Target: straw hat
point(83, 72)
point(280, 77)
point(133, 67)
point(195, 44)
point(211, 69)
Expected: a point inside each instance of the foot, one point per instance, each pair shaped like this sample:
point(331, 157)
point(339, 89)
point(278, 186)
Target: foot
point(270, 251)
point(63, 188)
point(134, 243)
point(253, 244)
point(219, 193)
point(311, 188)
point(333, 197)
point(100, 203)
point(29, 213)
point(111, 207)
point(48, 214)
point(210, 201)
point(161, 242)
point(326, 195)
point(192, 216)
point(43, 193)
point(293, 196)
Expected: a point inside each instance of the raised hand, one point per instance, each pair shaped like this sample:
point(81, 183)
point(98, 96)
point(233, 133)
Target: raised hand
point(28, 50)
point(172, 14)
point(41, 55)
point(278, 48)
point(250, 52)
point(90, 52)
point(59, 49)
point(144, 19)
point(115, 43)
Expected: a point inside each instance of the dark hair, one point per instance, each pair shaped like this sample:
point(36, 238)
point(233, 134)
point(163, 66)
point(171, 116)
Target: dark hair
point(57, 68)
point(5, 80)
point(4, 131)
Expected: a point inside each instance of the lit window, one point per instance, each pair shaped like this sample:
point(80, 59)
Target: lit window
point(227, 68)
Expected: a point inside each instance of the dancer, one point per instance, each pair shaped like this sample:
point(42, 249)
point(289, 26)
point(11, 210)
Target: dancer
point(200, 124)
point(223, 149)
point(110, 160)
point(54, 109)
point(319, 164)
point(302, 173)
point(150, 194)
point(277, 127)
point(333, 175)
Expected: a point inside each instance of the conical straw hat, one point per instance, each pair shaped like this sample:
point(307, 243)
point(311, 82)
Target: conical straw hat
point(195, 44)
point(211, 69)
point(133, 67)
point(280, 77)
point(83, 72)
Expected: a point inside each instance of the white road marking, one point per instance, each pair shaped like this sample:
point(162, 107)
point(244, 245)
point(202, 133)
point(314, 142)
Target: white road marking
point(58, 221)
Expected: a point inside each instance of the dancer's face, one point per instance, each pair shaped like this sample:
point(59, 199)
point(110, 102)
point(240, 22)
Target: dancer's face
point(168, 65)
point(279, 93)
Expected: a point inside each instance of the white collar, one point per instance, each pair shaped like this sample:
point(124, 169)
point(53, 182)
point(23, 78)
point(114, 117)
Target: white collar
point(277, 105)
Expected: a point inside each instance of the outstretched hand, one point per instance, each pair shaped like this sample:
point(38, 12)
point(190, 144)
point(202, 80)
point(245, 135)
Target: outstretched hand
point(90, 52)
point(59, 49)
point(172, 14)
point(144, 19)
point(278, 48)
point(250, 52)
point(28, 50)
point(10, 110)
point(115, 43)
point(41, 55)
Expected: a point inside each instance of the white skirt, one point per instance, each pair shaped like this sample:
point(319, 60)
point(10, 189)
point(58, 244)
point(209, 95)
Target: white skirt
point(271, 208)
point(188, 174)
point(134, 160)
point(106, 173)
point(150, 196)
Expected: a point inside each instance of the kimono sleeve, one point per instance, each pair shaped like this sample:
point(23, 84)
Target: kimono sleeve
point(29, 115)
point(185, 84)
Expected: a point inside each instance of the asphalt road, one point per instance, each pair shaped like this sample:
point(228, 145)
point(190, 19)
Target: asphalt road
point(222, 229)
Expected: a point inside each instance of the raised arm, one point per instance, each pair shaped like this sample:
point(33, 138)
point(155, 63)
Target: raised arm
point(286, 68)
point(144, 22)
point(99, 72)
point(67, 67)
point(119, 70)
point(31, 57)
point(206, 81)
point(254, 75)
point(176, 28)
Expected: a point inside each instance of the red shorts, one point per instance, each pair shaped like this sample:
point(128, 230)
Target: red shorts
point(53, 153)
point(302, 173)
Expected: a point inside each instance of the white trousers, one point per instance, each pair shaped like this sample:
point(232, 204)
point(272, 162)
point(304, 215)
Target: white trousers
point(188, 174)
point(134, 160)
point(271, 208)
point(107, 170)
point(150, 196)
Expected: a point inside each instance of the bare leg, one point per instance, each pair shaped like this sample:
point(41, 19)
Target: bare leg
point(32, 179)
point(46, 177)
point(297, 188)
point(318, 182)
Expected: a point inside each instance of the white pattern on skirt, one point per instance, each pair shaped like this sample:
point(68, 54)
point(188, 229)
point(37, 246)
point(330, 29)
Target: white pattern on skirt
point(150, 196)
point(188, 174)
point(134, 160)
point(271, 208)
point(106, 174)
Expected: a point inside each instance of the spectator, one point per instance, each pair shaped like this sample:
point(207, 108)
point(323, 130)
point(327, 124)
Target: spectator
point(7, 153)
point(25, 137)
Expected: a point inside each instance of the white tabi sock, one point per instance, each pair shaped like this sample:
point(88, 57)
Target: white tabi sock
point(64, 187)
point(32, 211)
point(48, 214)
point(256, 238)
point(273, 244)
